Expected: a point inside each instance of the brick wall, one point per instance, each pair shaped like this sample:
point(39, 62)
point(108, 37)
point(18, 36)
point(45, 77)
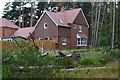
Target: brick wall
point(64, 32)
point(1, 32)
point(74, 35)
point(51, 31)
point(67, 46)
point(8, 32)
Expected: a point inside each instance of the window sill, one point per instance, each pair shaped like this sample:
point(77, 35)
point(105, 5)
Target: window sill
point(64, 44)
point(81, 45)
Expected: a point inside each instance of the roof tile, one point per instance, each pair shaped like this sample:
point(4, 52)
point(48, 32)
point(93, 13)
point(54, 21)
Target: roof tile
point(6, 23)
point(24, 32)
point(66, 17)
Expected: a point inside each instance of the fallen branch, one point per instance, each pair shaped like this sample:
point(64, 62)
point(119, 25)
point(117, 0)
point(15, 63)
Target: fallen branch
point(45, 54)
point(18, 45)
point(72, 69)
point(33, 41)
point(108, 50)
point(37, 48)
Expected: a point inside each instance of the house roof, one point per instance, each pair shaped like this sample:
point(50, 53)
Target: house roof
point(64, 18)
point(24, 32)
point(82, 35)
point(6, 23)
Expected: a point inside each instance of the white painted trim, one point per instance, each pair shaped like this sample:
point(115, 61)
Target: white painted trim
point(80, 42)
point(78, 36)
point(45, 26)
point(76, 16)
point(64, 44)
point(40, 19)
point(64, 40)
point(83, 16)
point(79, 28)
point(37, 22)
point(52, 19)
point(74, 26)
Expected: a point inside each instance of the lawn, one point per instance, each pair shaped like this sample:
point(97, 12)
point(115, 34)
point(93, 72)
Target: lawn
point(15, 64)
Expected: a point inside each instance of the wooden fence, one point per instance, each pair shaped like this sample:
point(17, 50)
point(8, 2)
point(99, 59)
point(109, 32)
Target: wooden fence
point(11, 45)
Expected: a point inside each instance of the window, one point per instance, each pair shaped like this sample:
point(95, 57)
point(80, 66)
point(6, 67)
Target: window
point(61, 22)
point(44, 38)
point(74, 26)
point(45, 25)
point(80, 29)
point(63, 41)
point(81, 42)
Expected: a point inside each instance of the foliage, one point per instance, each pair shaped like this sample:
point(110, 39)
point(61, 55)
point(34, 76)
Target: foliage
point(90, 61)
point(40, 67)
point(106, 36)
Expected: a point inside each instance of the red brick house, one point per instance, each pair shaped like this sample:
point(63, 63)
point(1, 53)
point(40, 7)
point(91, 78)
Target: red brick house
point(9, 30)
point(69, 27)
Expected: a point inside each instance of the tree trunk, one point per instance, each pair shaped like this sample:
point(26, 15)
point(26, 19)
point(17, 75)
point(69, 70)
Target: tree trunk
point(118, 21)
point(45, 5)
point(102, 23)
point(106, 20)
point(73, 5)
point(95, 23)
point(113, 33)
point(110, 11)
point(98, 25)
point(20, 16)
point(31, 22)
point(92, 25)
point(23, 15)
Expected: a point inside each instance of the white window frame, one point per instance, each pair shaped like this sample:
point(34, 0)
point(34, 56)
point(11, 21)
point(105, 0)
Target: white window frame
point(82, 41)
point(64, 41)
point(80, 28)
point(45, 26)
point(74, 26)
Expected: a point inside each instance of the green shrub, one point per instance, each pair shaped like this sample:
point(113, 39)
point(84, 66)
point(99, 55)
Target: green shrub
point(92, 60)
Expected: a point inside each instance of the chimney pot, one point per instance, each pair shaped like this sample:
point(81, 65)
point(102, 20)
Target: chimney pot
point(62, 9)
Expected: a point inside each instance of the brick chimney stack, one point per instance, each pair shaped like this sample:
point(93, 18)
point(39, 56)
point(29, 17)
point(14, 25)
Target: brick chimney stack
point(62, 9)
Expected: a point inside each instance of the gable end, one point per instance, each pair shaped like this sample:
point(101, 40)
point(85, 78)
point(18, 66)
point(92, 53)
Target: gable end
point(82, 18)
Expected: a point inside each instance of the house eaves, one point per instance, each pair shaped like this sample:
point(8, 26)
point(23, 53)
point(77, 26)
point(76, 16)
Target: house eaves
point(42, 17)
point(40, 20)
point(83, 16)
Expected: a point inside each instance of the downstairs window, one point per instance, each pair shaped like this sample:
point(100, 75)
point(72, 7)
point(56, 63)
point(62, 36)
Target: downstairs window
point(81, 42)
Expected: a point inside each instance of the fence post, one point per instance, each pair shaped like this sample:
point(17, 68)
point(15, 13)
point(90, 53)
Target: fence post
point(42, 46)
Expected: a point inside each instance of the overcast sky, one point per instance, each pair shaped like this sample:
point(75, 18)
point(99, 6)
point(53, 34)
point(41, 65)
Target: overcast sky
point(2, 4)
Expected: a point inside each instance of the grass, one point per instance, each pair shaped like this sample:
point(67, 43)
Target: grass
point(30, 58)
point(98, 73)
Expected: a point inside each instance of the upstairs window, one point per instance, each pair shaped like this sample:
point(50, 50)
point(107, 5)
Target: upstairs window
point(63, 41)
point(45, 25)
point(80, 29)
point(74, 26)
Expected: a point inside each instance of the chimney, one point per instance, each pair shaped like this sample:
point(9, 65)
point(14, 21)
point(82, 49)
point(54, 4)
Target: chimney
point(62, 9)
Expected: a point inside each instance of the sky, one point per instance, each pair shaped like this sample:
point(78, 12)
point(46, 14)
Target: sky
point(2, 4)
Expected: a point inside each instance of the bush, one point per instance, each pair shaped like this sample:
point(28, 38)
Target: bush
point(91, 60)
